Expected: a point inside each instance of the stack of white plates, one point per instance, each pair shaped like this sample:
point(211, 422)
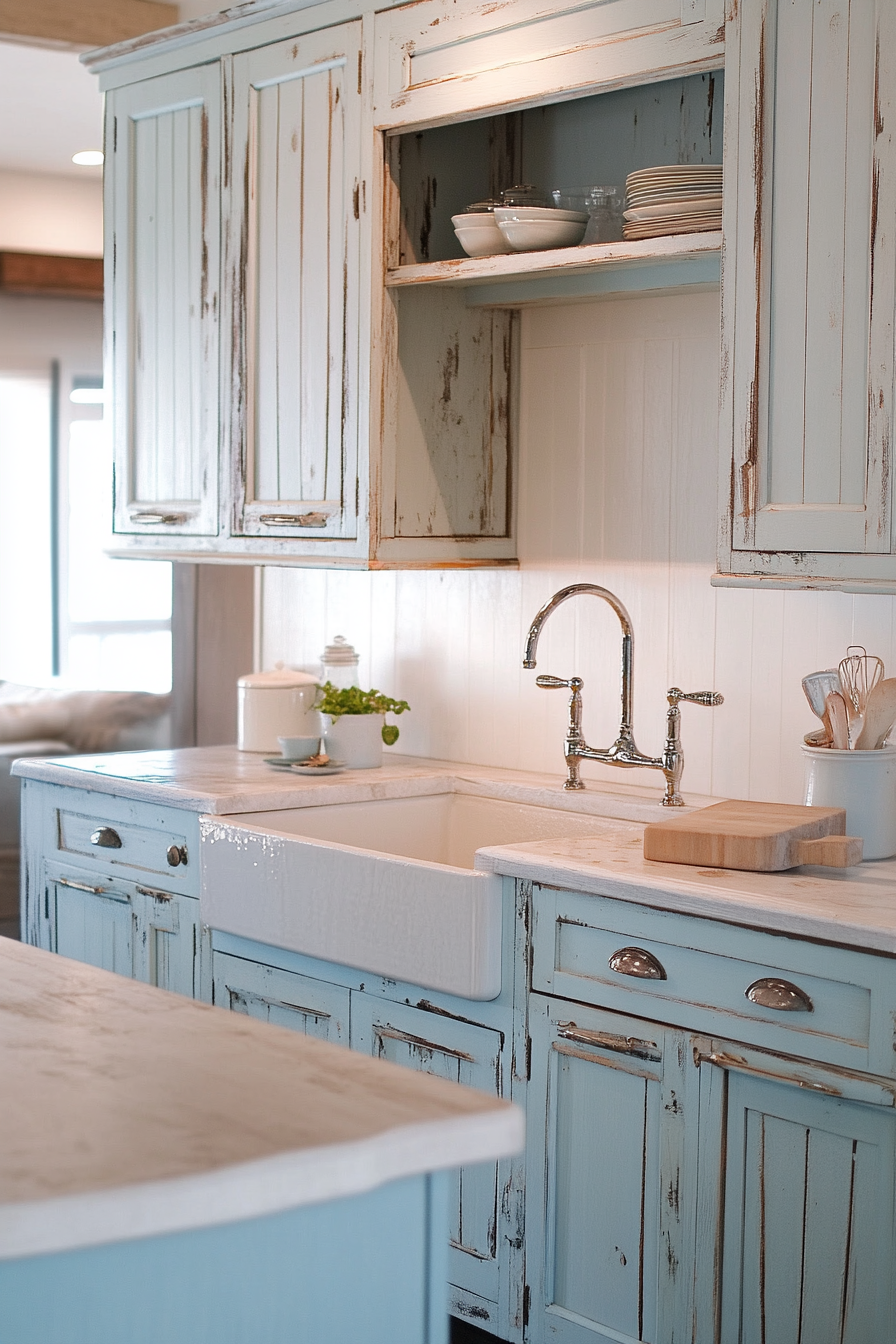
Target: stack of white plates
point(673, 198)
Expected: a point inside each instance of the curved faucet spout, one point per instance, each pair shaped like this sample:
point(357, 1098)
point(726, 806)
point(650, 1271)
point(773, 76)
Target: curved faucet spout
point(628, 640)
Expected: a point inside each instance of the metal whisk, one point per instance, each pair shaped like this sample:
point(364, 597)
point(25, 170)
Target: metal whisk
point(859, 673)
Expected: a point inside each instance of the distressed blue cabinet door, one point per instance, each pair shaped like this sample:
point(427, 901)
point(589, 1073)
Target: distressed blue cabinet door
point(464, 1053)
point(167, 943)
point(610, 1196)
point(91, 924)
point(808, 1232)
point(282, 997)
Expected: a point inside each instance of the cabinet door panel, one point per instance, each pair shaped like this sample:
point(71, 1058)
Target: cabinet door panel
point(167, 952)
point(463, 1053)
point(609, 1221)
point(810, 174)
point(439, 59)
point(93, 926)
point(284, 998)
point(809, 1199)
point(162, 270)
point(296, 131)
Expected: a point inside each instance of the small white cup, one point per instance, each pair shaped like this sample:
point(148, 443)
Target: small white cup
point(864, 782)
point(355, 740)
point(299, 748)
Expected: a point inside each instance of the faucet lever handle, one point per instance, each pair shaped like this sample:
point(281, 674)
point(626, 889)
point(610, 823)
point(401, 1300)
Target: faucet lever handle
point(548, 683)
point(695, 697)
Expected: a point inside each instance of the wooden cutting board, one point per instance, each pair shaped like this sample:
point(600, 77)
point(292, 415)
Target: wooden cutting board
point(758, 837)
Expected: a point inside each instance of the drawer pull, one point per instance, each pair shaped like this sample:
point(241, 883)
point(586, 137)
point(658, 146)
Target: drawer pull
point(635, 961)
point(79, 886)
point(779, 994)
point(295, 519)
point(165, 519)
point(177, 854)
point(106, 838)
point(606, 1040)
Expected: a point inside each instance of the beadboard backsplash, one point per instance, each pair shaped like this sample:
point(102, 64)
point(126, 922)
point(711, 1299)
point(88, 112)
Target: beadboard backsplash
point(618, 472)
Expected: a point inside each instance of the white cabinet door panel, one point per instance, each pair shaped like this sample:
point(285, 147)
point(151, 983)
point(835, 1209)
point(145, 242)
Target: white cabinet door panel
point(163, 267)
point(440, 59)
point(296, 137)
point(810, 173)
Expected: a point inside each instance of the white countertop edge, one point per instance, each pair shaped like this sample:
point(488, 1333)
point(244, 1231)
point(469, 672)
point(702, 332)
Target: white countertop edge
point(254, 1189)
point(674, 893)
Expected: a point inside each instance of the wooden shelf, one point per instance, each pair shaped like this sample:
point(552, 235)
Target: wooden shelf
point(511, 280)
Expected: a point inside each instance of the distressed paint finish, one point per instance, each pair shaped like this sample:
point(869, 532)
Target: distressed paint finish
point(281, 997)
point(437, 60)
point(810, 281)
point(801, 1211)
point(296, 159)
point(462, 1052)
point(610, 1188)
point(163, 142)
point(138, 931)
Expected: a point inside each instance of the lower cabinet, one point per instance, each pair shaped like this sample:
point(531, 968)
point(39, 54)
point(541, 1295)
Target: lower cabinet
point(464, 1053)
point(682, 1189)
point(801, 1207)
point(143, 932)
point(485, 1200)
point(313, 1007)
point(611, 1126)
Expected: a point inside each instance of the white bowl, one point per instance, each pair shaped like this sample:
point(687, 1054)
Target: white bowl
point(479, 235)
point(535, 235)
point(506, 214)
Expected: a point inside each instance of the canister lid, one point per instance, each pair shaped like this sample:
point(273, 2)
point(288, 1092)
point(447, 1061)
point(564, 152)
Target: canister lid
point(339, 653)
point(278, 679)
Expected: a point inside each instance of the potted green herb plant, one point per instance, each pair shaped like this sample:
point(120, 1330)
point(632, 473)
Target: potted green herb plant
point(354, 724)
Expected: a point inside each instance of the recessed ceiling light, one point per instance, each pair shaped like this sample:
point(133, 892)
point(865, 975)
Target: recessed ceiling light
point(88, 158)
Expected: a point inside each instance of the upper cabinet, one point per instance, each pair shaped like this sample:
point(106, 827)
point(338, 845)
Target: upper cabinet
point(809, 293)
point(292, 276)
point(163, 144)
point(305, 367)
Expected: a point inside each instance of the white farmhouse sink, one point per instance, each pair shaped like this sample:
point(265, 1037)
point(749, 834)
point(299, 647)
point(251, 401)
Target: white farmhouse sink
point(386, 885)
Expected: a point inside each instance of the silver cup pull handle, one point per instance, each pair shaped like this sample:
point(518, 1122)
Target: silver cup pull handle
point(636, 961)
point(781, 995)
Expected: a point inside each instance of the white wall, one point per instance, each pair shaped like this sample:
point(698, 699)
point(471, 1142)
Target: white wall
point(617, 487)
point(44, 212)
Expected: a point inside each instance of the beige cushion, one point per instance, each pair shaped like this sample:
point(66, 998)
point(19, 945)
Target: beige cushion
point(86, 720)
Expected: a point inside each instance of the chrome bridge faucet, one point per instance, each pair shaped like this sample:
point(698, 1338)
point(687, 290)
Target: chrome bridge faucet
point(623, 751)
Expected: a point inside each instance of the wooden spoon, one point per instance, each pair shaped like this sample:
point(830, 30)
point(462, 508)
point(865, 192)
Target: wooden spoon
point(835, 711)
point(880, 715)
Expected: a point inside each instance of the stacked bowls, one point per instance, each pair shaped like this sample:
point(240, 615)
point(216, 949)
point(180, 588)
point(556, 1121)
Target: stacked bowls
point(521, 221)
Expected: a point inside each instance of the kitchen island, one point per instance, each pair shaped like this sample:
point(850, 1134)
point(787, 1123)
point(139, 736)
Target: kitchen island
point(171, 1172)
point(701, 1052)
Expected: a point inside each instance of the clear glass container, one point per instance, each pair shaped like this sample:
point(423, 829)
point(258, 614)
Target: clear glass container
point(604, 206)
point(339, 664)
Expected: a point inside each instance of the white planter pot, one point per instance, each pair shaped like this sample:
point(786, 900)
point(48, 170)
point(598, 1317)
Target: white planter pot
point(355, 739)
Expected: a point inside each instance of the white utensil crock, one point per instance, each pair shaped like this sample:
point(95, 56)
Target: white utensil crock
point(355, 739)
point(275, 704)
point(864, 782)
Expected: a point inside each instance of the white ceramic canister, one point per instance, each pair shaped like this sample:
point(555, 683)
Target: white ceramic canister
point(275, 704)
point(864, 782)
point(355, 740)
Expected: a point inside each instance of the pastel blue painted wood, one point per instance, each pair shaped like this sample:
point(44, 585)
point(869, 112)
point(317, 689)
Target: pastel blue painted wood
point(284, 998)
point(369, 1268)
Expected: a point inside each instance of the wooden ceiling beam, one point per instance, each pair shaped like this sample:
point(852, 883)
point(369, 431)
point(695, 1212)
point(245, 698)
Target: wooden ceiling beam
point(39, 273)
point(85, 23)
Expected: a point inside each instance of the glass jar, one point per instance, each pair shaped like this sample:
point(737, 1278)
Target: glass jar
point(339, 664)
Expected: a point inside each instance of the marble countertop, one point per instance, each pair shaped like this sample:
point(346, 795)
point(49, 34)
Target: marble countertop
point(223, 781)
point(852, 906)
point(126, 1111)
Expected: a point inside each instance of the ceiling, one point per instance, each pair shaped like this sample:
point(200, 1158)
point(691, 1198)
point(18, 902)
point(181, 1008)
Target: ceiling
point(50, 107)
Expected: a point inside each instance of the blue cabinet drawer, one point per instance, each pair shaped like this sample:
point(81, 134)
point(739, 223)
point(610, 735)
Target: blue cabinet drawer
point(832, 1004)
point(138, 841)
